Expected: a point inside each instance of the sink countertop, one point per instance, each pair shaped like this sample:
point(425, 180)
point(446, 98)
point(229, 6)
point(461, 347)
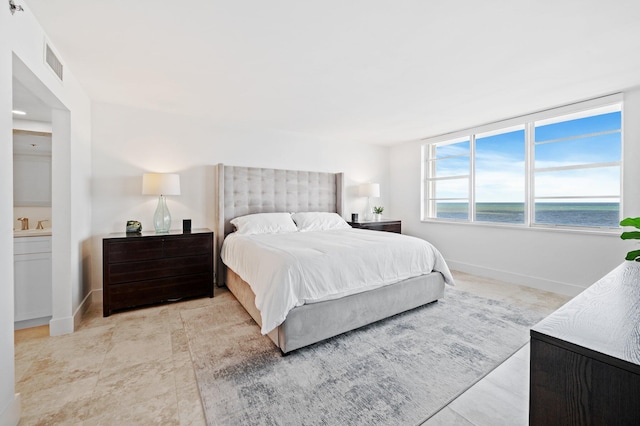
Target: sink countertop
point(32, 233)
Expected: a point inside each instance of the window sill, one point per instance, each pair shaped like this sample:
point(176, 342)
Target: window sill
point(615, 232)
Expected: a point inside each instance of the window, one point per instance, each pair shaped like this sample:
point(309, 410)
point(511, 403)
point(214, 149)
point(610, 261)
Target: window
point(555, 168)
point(449, 188)
point(500, 176)
point(577, 169)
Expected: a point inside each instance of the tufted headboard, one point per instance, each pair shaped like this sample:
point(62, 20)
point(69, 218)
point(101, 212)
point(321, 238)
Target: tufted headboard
point(246, 190)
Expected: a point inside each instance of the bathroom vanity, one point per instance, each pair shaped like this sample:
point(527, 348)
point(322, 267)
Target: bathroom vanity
point(32, 279)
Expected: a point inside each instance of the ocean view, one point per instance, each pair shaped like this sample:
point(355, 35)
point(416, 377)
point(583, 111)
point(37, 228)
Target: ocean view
point(573, 214)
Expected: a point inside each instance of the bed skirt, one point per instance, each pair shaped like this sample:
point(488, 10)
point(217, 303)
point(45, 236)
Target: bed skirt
point(312, 323)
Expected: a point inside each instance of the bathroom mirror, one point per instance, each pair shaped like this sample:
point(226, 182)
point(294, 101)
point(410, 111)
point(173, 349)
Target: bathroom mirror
point(31, 169)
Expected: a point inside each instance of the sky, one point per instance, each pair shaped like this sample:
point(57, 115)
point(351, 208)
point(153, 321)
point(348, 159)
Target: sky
point(500, 161)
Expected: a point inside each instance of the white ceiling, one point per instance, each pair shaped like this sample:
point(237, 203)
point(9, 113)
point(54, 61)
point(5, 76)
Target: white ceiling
point(26, 101)
point(364, 70)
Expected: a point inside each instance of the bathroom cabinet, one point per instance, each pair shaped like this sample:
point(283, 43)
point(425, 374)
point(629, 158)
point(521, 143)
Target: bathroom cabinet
point(32, 278)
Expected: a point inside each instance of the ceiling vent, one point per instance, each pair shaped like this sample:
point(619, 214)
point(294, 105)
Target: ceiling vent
point(52, 60)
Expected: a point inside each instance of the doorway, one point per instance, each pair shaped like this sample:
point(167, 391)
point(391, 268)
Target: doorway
point(42, 115)
point(32, 226)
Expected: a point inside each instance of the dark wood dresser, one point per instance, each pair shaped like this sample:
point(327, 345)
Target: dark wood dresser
point(585, 357)
point(379, 225)
point(149, 268)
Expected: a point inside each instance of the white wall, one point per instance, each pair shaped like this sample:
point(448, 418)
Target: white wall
point(9, 404)
point(22, 37)
point(128, 142)
point(565, 262)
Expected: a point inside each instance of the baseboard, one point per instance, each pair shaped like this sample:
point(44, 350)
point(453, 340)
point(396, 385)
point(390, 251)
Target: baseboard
point(514, 278)
point(67, 325)
point(34, 322)
point(82, 309)
point(59, 326)
point(11, 414)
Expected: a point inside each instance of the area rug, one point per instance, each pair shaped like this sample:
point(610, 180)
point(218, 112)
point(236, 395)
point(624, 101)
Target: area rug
point(399, 371)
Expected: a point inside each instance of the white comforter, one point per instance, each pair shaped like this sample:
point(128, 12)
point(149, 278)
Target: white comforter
point(290, 269)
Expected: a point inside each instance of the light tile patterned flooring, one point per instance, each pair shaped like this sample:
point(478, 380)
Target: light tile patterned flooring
point(135, 368)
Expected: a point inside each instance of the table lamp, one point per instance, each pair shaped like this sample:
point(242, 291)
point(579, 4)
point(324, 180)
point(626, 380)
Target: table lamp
point(369, 190)
point(161, 184)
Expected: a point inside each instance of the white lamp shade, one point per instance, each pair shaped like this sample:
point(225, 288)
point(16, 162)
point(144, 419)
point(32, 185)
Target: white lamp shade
point(370, 190)
point(160, 184)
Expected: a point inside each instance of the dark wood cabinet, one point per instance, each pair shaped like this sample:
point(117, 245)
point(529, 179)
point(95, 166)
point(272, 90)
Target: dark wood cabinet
point(379, 225)
point(585, 357)
point(149, 268)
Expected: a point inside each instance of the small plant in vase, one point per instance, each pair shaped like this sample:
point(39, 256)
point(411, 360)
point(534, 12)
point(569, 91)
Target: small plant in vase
point(377, 212)
point(632, 235)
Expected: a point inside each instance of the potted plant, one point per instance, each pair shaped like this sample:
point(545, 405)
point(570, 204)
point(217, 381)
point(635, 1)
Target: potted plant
point(377, 212)
point(631, 235)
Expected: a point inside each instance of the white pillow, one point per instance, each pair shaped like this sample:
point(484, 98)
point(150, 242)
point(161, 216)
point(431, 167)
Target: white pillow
point(319, 221)
point(264, 223)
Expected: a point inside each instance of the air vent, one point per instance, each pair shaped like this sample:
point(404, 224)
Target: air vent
point(53, 61)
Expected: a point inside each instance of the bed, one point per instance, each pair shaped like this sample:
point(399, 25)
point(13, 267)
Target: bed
point(243, 191)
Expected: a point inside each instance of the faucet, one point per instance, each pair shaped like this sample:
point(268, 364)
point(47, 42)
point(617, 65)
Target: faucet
point(25, 223)
point(39, 226)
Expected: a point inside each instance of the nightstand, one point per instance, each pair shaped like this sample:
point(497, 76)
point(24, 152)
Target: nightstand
point(149, 268)
point(388, 225)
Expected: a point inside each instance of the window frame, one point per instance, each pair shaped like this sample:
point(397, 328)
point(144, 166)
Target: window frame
point(433, 179)
point(428, 178)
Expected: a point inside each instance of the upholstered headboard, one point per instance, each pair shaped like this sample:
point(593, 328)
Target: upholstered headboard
point(247, 190)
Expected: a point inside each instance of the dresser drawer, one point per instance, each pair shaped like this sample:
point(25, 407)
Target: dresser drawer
point(388, 227)
point(148, 292)
point(156, 248)
point(196, 245)
point(155, 268)
point(383, 225)
point(131, 251)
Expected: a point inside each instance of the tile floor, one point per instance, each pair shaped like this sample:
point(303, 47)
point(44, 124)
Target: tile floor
point(135, 368)
point(501, 397)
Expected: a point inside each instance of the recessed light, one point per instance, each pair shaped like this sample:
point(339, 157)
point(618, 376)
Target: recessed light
point(17, 112)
